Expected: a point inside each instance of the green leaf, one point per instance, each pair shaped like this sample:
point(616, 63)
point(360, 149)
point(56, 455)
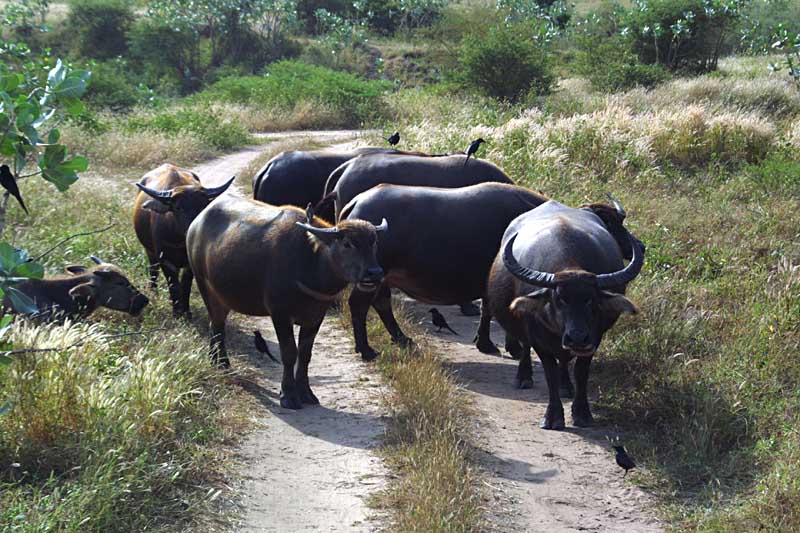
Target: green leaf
point(72, 87)
point(53, 136)
point(10, 82)
point(53, 156)
point(29, 270)
point(5, 325)
point(76, 164)
point(73, 106)
point(62, 180)
point(21, 302)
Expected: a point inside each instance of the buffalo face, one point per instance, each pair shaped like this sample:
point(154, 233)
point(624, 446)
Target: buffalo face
point(184, 202)
point(575, 309)
point(352, 245)
point(106, 286)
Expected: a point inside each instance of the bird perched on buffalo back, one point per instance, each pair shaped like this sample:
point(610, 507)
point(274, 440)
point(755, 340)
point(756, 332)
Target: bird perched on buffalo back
point(439, 321)
point(623, 459)
point(394, 139)
point(473, 147)
point(10, 184)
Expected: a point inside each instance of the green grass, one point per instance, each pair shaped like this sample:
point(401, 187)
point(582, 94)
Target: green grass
point(705, 382)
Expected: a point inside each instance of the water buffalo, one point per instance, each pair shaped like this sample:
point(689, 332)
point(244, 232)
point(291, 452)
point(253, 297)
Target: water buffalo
point(298, 177)
point(431, 231)
point(169, 199)
point(366, 171)
point(81, 292)
point(262, 260)
point(557, 284)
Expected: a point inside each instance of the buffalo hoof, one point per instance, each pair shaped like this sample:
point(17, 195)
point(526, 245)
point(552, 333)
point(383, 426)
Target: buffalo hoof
point(368, 354)
point(486, 346)
point(582, 418)
point(307, 397)
point(523, 383)
point(291, 401)
point(222, 363)
point(554, 422)
point(470, 309)
point(566, 390)
point(404, 342)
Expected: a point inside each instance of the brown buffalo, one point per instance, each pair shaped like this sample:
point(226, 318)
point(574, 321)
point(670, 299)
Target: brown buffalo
point(261, 260)
point(78, 294)
point(169, 199)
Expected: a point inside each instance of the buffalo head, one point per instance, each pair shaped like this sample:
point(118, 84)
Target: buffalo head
point(575, 304)
point(106, 286)
point(185, 201)
point(352, 245)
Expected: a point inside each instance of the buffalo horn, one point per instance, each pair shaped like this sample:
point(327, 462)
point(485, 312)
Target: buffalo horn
point(617, 206)
point(317, 231)
point(96, 259)
point(213, 192)
point(626, 275)
point(383, 226)
point(532, 277)
point(154, 193)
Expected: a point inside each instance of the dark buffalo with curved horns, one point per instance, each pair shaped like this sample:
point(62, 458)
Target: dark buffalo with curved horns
point(431, 230)
point(558, 285)
point(298, 177)
point(169, 200)
point(81, 292)
point(365, 172)
point(261, 260)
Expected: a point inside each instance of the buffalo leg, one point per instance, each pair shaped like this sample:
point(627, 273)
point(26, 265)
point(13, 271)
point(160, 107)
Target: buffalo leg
point(359, 302)
point(524, 379)
point(514, 347)
point(565, 384)
point(581, 415)
point(185, 291)
point(305, 343)
point(483, 339)
point(217, 315)
point(290, 399)
point(383, 305)
point(174, 285)
point(554, 416)
point(152, 269)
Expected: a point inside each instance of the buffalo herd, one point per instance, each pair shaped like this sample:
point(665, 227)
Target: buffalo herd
point(438, 229)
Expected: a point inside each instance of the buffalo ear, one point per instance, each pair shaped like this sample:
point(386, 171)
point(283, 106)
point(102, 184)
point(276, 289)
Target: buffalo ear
point(530, 304)
point(82, 294)
point(611, 302)
point(158, 206)
point(76, 269)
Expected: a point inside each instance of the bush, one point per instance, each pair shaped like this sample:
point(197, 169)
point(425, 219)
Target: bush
point(113, 86)
point(165, 52)
point(610, 64)
point(505, 65)
point(288, 84)
point(208, 124)
point(99, 27)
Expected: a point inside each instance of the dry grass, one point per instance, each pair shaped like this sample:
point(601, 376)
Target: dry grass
point(426, 444)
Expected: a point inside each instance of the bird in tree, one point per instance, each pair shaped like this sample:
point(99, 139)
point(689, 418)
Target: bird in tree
point(261, 345)
point(439, 321)
point(473, 147)
point(10, 184)
point(394, 139)
point(623, 459)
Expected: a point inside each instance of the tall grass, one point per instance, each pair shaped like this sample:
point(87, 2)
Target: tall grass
point(705, 381)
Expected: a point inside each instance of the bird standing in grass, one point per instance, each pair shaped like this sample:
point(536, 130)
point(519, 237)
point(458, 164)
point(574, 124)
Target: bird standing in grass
point(10, 184)
point(623, 459)
point(473, 147)
point(394, 139)
point(439, 321)
point(261, 345)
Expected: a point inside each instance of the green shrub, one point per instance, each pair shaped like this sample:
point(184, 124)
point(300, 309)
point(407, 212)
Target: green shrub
point(288, 84)
point(164, 52)
point(99, 27)
point(208, 124)
point(506, 65)
point(610, 64)
point(114, 87)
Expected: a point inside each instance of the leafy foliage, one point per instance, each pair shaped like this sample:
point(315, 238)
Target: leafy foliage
point(99, 27)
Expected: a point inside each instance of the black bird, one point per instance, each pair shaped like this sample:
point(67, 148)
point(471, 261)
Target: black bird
point(623, 459)
point(10, 184)
point(473, 147)
point(439, 321)
point(261, 345)
point(394, 139)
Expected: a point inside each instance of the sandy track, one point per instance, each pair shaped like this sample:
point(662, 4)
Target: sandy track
point(549, 481)
point(312, 469)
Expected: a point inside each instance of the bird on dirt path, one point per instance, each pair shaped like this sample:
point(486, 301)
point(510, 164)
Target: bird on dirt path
point(394, 139)
point(623, 459)
point(10, 184)
point(261, 345)
point(439, 321)
point(473, 147)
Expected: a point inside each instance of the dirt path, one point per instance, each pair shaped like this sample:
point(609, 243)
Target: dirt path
point(540, 480)
point(307, 470)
